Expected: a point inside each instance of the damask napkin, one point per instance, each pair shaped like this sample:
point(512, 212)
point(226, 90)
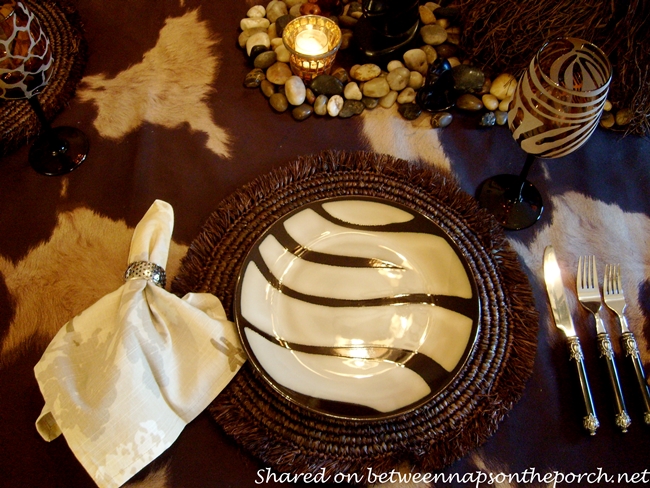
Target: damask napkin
point(122, 379)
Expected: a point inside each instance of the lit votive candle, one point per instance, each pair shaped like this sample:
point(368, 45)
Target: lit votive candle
point(311, 42)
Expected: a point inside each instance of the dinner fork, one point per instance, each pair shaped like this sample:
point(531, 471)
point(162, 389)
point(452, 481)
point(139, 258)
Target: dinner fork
point(615, 300)
point(589, 297)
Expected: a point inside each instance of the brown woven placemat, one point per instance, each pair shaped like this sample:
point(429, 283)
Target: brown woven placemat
point(293, 439)
point(18, 122)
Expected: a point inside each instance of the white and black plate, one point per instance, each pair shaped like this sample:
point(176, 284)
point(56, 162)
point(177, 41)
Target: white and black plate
point(357, 307)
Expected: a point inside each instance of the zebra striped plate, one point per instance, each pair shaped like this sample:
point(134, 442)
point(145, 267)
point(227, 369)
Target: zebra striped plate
point(357, 307)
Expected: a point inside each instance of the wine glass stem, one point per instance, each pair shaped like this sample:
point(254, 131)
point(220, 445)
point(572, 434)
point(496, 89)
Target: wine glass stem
point(523, 175)
point(38, 110)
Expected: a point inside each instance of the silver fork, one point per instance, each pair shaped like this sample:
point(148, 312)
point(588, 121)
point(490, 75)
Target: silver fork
point(615, 300)
point(589, 297)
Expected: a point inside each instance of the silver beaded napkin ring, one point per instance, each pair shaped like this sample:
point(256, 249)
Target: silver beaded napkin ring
point(147, 271)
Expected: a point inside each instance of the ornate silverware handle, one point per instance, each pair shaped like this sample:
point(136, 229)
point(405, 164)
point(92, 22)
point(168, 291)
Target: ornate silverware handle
point(590, 421)
point(623, 420)
point(632, 350)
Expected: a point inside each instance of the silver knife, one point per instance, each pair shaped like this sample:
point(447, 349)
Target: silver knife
point(563, 321)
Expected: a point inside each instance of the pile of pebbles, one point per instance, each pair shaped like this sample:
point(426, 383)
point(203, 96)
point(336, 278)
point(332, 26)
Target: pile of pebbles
point(348, 92)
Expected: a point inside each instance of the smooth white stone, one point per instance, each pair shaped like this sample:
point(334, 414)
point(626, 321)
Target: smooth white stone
point(407, 95)
point(352, 91)
point(295, 90)
point(389, 100)
point(416, 80)
point(245, 35)
point(275, 42)
point(253, 23)
point(282, 53)
point(295, 10)
point(276, 9)
point(272, 31)
point(504, 105)
point(416, 60)
point(256, 12)
point(394, 64)
point(365, 72)
point(399, 78)
point(258, 39)
point(334, 105)
point(376, 88)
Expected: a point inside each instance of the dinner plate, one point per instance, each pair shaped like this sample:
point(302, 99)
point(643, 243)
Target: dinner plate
point(357, 307)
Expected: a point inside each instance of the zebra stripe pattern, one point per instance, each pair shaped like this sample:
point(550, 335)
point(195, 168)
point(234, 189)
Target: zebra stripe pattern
point(357, 307)
point(559, 99)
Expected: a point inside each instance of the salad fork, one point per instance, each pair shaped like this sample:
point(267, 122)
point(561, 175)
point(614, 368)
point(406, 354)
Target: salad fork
point(615, 300)
point(589, 297)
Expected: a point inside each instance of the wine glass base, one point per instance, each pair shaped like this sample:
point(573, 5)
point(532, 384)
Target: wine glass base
point(59, 151)
point(515, 203)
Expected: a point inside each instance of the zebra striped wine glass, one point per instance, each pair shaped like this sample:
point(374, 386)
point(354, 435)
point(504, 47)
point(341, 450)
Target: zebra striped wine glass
point(555, 108)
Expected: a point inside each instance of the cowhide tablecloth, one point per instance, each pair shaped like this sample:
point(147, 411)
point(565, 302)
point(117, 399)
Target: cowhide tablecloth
point(163, 103)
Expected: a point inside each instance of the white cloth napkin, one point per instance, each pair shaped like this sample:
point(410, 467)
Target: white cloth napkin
point(122, 379)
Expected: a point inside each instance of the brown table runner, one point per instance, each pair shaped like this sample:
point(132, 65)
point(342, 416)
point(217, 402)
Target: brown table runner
point(18, 122)
point(291, 438)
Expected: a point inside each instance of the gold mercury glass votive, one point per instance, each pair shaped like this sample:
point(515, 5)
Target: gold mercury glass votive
point(313, 41)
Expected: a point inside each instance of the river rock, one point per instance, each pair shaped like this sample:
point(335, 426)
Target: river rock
point(410, 111)
point(451, 13)
point(503, 86)
point(399, 78)
point(256, 12)
point(607, 120)
point(365, 72)
point(488, 119)
point(265, 59)
point(249, 23)
point(469, 102)
point(342, 75)
point(624, 116)
point(389, 100)
point(416, 80)
point(258, 39)
point(334, 105)
point(279, 102)
point(431, 53)
point(310, 96)
point(279, 73)
point(326, 85)
point(426, 15)
point(282, 54)
point(267, 88)
point(257, 50)
point(351, 107)
point(441, 119)
point(291, 3)
point(352, 91)
point(468, 79)
point(370, 102)
point(254, 78)
point(394, 64)
point(446, 50)
point(416, 60)
point(301, 112)
point(320, 105)
point(501, 116)
point(490, 101)
point(276, 9)
point(295, 90)
point(244, 36)
point(504, 105)
point(376, 88)
point(433, 34)
point(281, 22)
point(407, 95)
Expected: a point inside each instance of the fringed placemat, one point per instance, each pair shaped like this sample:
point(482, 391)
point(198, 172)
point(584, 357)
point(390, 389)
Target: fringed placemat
point(18, 122)
point(291, 438)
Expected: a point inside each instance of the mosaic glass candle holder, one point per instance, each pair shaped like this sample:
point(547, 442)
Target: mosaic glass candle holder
point(313, 42)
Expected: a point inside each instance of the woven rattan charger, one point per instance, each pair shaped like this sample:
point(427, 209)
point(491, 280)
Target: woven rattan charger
point(291, 438)
point(18, 122)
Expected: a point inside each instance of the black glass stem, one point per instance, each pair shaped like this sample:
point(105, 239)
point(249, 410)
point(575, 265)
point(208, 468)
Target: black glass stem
point(59, 150)
point(512, 199)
